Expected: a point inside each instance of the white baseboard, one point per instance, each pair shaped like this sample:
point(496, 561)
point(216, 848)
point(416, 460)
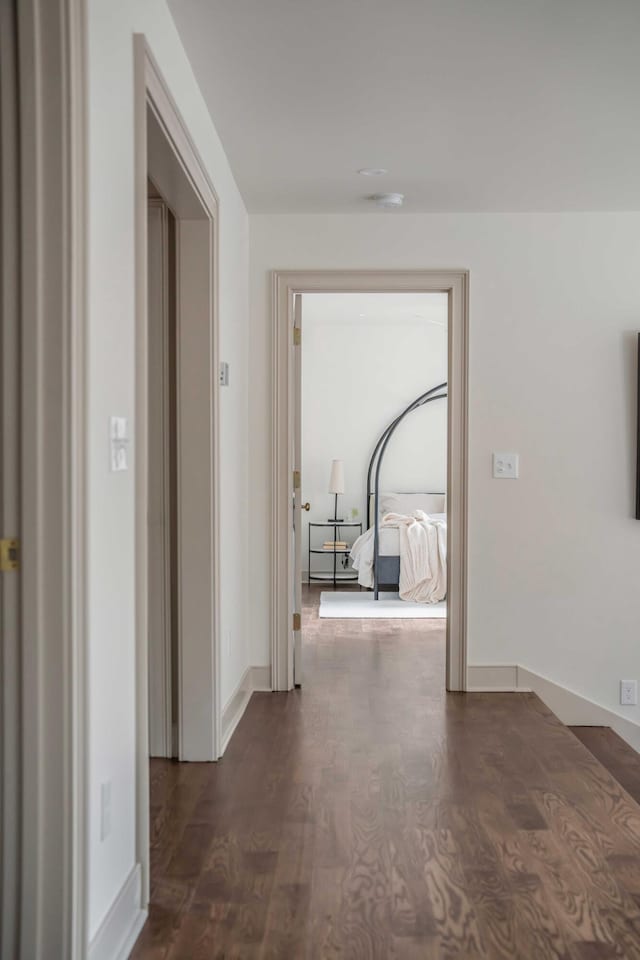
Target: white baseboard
point(261, 679)
point(570, 707)
point(577, 711)
point(493, 678)
point(254, 679)
point(121, 927)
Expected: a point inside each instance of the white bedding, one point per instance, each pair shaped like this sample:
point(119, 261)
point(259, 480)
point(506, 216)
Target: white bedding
point(420, 540)
point(390, 537)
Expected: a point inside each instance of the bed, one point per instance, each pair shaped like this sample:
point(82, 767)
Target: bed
point(382, 539)
point(388, 561)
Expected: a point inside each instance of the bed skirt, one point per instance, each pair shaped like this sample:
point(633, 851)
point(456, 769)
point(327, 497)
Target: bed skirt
point(388, 571)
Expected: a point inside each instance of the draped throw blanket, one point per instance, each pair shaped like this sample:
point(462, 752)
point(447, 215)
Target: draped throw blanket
point(423, 556)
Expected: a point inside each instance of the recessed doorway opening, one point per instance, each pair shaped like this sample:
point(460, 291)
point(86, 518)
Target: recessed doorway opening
point(373, 443)
point(177, 461)
point(289, 292)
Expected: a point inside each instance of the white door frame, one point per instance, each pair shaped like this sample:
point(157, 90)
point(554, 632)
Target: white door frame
point(52, 894)
point(182, 180)
point(285, 284)
point(297, 502)
point(10, 515)
point(160, 507)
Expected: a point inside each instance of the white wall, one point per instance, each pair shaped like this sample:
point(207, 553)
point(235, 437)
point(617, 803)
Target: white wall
point(365, 357)
point(112, 390)
point(554, 557)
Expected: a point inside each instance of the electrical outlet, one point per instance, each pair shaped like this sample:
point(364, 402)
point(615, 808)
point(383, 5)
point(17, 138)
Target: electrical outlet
point(505, 466)
point(628, 693)
point(105, 810)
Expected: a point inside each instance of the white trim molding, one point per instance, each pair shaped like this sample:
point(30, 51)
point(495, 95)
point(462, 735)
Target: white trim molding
point(570, 707)
point(285, 285)
point(53, 214)
point(121, 927)
point(492, 678)
point(578, 711)
point(10, 493)
point(254, 680)
point(184, 182)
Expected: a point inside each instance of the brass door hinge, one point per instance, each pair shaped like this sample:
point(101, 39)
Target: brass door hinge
point(297, 622)
point(297, 336)
point(9, 557)
point(296, 479)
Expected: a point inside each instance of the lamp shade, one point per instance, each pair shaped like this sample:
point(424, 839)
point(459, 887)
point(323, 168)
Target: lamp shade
point(336, 480)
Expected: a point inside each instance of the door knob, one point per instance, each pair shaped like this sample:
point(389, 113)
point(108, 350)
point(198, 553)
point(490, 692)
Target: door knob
point(306, 506)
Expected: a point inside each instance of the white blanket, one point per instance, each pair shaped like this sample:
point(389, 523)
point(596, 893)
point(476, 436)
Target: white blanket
point(423, 556)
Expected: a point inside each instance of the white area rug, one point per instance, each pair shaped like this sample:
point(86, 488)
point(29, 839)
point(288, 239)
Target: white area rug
point(360, 605)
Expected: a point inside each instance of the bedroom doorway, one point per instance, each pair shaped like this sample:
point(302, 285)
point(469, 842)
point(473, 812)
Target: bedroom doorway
point(289, 294)
point(373, 442)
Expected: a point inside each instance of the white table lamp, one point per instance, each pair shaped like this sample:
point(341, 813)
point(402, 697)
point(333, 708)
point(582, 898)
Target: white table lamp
point(336, 485)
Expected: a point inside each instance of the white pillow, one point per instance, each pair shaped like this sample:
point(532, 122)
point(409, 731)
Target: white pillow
point(407, 503)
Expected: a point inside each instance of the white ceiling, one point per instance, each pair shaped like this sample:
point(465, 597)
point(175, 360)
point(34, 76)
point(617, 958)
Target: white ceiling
point(470, 104)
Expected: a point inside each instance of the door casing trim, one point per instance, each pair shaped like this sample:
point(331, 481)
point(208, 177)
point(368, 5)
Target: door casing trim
point(284, 285)
point(151, 91)
point(53, 253)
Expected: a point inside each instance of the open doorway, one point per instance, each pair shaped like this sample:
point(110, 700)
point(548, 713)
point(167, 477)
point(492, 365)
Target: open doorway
point(289, 289)
point(177, 461)
point(373, 444)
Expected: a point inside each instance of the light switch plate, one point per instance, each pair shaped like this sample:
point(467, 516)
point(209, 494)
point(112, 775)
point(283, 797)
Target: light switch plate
point(118, 458)
point(505, 466)
point(118, 428)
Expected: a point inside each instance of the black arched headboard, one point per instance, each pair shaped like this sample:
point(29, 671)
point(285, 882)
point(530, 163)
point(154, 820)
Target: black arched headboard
point(373, 473)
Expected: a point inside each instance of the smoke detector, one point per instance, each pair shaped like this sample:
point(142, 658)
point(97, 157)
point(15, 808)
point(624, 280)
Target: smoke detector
point(388, 200)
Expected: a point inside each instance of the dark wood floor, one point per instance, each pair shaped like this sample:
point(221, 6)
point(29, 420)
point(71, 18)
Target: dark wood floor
point(371, 816)
point(613, 753)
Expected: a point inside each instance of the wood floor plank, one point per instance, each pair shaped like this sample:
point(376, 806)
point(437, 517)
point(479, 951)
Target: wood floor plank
point(621, 760)
point(369, 816)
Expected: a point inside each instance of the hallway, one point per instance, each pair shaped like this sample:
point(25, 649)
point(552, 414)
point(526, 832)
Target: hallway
point(369, 816)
